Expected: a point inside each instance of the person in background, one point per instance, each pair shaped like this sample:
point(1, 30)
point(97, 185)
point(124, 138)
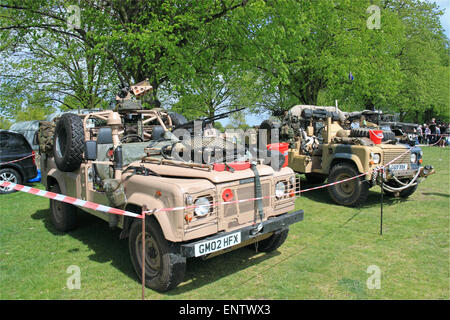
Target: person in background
point(432, 126)
point(447, 132)
point(437, 137)
point(420, 133)
point(427, 134)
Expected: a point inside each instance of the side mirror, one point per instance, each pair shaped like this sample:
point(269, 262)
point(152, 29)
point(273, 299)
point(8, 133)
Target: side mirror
point(90, 150)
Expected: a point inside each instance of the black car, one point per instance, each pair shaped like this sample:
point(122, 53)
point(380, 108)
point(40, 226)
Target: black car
point(14, 146)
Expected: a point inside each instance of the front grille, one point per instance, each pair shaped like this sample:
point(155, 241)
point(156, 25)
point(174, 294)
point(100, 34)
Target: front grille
point(389, 155)
point(246, 192)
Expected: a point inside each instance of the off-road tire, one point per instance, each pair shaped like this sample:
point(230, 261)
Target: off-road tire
point(404, 193)
point(269, 125)
point(177, 119)
point(63, 215)
point(315, 178)
point(351, 193)
point(273, 242)
point(9, 175)
point(68, 146)
point(166, 269)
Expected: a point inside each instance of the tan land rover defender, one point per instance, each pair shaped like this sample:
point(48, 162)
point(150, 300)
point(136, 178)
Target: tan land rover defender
point(123, 159)
point(327, 143)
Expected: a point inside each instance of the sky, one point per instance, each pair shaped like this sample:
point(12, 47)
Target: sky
point(445, 21)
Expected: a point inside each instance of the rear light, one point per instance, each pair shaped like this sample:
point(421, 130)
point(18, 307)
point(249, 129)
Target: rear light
point(33, 156)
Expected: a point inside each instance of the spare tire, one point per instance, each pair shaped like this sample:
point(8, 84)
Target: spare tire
point(270, 124)
point(177, 119)
point(68, 146)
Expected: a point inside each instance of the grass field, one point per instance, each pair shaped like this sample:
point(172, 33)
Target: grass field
point(326, 256)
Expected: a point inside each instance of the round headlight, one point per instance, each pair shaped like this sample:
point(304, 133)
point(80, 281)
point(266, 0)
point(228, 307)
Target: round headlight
point(413, 157)
point(376, 158)
point(203, 206)
point(280, 189)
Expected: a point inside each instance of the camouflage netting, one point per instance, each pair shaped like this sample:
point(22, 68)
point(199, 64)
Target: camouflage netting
point(45, 134)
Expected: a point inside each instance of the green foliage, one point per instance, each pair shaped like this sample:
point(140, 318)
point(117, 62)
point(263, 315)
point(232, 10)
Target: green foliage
point(206, 57)
point(4, 123)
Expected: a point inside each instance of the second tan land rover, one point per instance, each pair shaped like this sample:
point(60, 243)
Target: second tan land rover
point(324, 146)
point(97, 157)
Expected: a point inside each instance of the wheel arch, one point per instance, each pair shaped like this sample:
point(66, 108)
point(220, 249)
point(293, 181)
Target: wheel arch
point(160, 219)
point(346, 158)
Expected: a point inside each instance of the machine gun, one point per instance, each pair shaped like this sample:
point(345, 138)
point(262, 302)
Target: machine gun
point(190, 124)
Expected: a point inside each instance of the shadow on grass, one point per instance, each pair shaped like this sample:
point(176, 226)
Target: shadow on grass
point(107, 248)
point(445, 195)
point(373, 199)
point(96, 234)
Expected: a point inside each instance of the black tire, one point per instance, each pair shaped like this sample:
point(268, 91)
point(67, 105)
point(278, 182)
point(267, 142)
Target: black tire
point(165, 267)
point(269, 125)
point(68, 144)
point(388, 135)
point(350, 193)
point(273, 242)
point(404, 193)
point(177, 119)
point(63, 215)
point(9, 175)
point(408, 191)
point(315, 178)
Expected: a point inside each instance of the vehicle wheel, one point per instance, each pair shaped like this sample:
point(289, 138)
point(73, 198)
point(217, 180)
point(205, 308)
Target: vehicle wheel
point(350, 193)
point(9, 175)
point(404, 193)
point(68, 144)
point(273, 242)
point(164, 265)
point(177, 119)
point(269, 125)
point(63, 215)
point(388, 135)
point(315, 178)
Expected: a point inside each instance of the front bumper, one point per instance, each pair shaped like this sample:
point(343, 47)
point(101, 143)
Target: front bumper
point(268, 226)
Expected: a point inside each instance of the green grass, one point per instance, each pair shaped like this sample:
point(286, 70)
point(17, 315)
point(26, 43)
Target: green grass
point(326, 256)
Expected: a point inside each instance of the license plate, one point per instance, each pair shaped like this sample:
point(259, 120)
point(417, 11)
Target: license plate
point(398, 166)
point(217, 244)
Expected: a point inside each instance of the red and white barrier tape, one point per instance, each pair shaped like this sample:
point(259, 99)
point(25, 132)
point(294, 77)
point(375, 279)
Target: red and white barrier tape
point(67, 199)
point(103, 208)
point(295, 192)
point(17, 160)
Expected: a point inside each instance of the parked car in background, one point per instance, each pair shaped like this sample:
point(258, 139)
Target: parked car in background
point(13, 147)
